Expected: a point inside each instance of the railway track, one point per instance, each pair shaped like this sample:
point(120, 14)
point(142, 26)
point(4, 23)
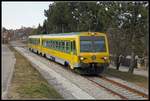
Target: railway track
point(123, 91)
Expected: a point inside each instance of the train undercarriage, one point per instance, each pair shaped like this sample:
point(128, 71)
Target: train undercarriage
point(91, 69)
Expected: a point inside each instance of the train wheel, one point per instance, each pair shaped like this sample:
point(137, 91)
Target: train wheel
point(66, 64)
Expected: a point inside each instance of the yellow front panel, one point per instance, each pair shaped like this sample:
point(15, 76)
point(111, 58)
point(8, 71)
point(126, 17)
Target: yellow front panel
point(98, 55)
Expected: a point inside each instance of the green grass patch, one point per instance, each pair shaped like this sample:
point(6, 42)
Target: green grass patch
point(27, 82)
point(138, 79)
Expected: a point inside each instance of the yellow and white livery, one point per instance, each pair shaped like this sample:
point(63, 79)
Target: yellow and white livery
point(84, 51)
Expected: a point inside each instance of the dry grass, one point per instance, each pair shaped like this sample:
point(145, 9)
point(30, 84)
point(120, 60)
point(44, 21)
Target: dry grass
point(27, 83)
point(137, 79)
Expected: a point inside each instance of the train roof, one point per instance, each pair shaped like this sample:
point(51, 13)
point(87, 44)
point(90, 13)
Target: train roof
point(66, 34)
point(60, 34)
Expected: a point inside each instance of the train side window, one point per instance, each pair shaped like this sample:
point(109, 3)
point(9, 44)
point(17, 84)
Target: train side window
point(35, 41)
point(39, 41)
point(60, 45)
point(56, 45)
point(66, 43)
point(73, 48)
point(63, 46)
point(65, 49)
point(50, 43)
point(32, 41)
point(53, 44)
point(68, 46)
point(46, 43)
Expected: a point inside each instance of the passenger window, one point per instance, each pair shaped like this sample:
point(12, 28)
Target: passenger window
point(67, 47)
point(57, 46)
point(52, 44)
point(63, 46)
point(49, 44)
point(73, 48)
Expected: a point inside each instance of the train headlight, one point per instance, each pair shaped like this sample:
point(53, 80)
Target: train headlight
point(81, 58)
point(93, 33)
point(105, 58)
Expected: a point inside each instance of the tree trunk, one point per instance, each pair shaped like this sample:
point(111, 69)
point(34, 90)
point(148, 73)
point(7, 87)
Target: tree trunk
point(132, 63)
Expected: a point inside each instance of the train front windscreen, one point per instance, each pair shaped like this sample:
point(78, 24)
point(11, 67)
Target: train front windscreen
point(92, 44)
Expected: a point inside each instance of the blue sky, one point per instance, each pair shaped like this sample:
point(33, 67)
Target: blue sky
point(27, 14)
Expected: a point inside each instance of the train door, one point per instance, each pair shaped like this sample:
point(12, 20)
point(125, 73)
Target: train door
point(73, 52)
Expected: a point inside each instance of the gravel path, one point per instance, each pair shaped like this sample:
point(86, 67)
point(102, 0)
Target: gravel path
point(8, 61)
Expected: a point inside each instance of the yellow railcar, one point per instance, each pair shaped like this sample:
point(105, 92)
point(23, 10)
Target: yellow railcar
point(83, 51)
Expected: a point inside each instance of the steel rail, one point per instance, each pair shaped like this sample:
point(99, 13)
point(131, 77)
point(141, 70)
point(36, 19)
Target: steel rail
point(124, 98)
point(126, 87)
